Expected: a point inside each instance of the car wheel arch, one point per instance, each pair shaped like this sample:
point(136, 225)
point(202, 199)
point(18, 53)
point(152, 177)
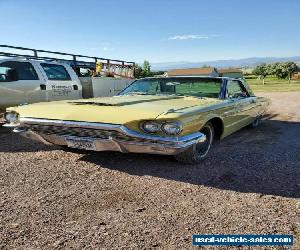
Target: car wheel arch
point(218, 126)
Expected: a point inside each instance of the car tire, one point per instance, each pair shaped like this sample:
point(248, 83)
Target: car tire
point(71, 150)
point(5, 130)
point(256, 122)
point(198, 152)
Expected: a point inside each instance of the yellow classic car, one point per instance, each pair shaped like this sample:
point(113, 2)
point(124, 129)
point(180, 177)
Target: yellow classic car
point(179, 116)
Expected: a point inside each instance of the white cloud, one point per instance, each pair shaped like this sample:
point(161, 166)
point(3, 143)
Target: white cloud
point(107, 49)
point(191, 37)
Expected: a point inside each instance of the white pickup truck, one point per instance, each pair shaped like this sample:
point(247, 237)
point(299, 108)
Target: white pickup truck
point(30, 81)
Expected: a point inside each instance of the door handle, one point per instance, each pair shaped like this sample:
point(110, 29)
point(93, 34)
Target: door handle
point(43, 87)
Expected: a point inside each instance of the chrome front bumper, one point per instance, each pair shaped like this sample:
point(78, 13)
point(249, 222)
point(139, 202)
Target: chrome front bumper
point(131, 142)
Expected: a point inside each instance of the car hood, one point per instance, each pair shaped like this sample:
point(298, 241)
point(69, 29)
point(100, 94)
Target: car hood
point(114, 110)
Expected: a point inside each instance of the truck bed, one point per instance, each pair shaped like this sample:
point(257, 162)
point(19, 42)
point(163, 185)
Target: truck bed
point(102, 86)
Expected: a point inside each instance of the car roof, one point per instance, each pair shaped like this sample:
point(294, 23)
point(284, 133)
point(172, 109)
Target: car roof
point(23, 59)
point(187, 76)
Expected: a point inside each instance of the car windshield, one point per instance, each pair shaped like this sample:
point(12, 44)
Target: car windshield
point(197, 87)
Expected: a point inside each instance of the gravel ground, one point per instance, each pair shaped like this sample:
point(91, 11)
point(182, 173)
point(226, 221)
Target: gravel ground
point(51, 199)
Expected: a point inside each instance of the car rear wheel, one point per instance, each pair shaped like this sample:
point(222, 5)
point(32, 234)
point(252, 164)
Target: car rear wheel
point(256, 122)
point(198, 152)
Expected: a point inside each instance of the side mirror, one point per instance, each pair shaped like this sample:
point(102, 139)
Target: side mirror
point(12, 75)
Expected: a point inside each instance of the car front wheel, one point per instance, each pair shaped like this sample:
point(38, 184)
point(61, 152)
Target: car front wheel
point(198, 152)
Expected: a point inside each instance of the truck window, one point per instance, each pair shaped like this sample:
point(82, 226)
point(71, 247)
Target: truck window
point(56, 72)
point(3, 73)
point(24, 70)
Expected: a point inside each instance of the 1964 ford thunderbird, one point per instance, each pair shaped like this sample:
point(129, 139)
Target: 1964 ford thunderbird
point(179, 116)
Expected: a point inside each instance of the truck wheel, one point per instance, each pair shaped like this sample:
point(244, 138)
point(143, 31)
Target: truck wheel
point(198, 152)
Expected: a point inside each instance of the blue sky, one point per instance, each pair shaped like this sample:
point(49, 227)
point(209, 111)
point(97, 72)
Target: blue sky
point(159, 31)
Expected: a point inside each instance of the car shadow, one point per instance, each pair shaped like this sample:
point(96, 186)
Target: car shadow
point(11, 142)
point(264, 160)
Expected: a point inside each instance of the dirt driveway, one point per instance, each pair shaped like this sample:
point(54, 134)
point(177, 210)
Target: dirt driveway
point(249, 184)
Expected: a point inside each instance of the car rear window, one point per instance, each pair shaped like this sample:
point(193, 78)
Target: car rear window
point(190, 86)
point(56, 72)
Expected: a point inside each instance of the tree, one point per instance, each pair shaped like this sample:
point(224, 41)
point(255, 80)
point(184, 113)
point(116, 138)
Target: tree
point(290, 68)
point(275, 69)
point(157, 73)
point(262, 71)
point(283, 70)
point(280, 70)
point(146, 69)
point(271, 68)
point(138, 71)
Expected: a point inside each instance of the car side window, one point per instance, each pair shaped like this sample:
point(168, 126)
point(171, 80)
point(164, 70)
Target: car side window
point(24, 71)
point(235, 90)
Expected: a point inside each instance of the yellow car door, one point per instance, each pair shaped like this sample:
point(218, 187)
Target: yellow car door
point(240, 109)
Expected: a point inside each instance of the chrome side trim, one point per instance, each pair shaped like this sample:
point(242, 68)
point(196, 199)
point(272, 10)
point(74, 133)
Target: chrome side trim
point(9, 125)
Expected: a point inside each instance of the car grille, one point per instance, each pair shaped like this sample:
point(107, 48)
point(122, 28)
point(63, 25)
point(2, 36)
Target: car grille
point(72, 131)
point(84, 133)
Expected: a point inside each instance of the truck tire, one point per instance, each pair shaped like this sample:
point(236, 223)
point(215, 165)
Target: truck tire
point(198, 152)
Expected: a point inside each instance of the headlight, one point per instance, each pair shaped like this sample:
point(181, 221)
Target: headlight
point(172, 128)
point(11, 117)
point(151, 127)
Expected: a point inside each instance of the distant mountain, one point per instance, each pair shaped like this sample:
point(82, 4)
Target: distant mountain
point(239, 63)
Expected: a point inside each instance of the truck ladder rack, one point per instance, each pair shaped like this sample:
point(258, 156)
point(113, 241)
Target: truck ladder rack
point(110, 66)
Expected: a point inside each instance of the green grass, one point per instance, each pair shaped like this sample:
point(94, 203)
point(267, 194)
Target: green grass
point(201, 89)
point(275, 88)
point(272, 84)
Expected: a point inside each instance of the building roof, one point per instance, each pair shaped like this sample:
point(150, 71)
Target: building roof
point(229, 70)
point(191, 71)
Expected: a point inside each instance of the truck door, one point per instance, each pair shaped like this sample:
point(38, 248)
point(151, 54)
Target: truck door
point(61, 82)
point(20, 83)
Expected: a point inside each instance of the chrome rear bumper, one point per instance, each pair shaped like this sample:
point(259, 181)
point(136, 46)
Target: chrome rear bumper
point(129, 141)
